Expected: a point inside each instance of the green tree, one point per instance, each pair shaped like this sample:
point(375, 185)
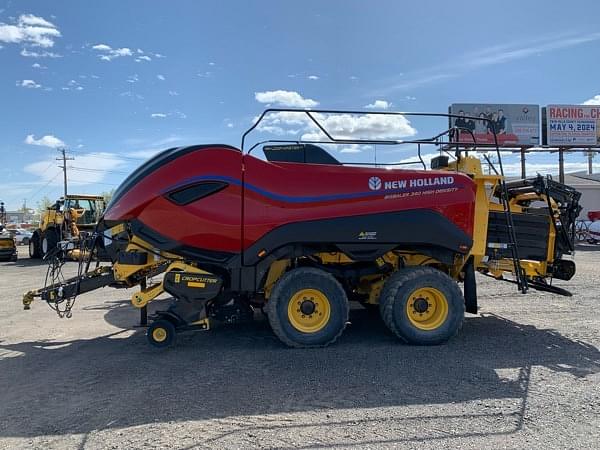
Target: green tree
point(43, 204)
point(108, 195)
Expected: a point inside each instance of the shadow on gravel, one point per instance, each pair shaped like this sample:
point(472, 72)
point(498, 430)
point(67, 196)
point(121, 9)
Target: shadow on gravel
point(117, 380)
point(25, 262)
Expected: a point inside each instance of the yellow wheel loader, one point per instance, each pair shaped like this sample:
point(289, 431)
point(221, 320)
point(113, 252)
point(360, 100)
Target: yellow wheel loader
point(65, 220)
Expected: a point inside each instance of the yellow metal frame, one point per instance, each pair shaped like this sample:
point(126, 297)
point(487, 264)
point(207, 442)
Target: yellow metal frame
point(276, 270)
point(486, 203)
point(144, 296)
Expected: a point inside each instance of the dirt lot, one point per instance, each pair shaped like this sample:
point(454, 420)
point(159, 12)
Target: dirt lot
point(525, 373)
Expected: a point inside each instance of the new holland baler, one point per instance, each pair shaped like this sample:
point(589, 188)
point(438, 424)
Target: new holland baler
point(301, 236)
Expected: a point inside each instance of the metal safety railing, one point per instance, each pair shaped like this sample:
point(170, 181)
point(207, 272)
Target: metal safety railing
point(452, 133)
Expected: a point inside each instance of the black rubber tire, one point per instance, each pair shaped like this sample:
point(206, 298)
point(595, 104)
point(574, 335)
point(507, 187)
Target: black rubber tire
point(34, 246)
point(169, 329)
point(307, 278)
point(51, 237)
point(395, 294)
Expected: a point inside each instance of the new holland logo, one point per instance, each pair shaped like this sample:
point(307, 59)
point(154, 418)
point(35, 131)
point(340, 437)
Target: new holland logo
point(374, 183)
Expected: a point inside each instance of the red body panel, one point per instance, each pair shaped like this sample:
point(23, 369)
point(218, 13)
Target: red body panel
point(279, 193)
point(213, 223)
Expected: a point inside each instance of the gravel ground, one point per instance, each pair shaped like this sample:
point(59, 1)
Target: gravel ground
point(524, 373)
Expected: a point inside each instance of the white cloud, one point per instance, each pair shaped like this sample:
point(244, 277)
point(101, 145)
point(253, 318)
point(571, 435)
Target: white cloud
point(160, 77)
point(211, 63)
point(229, 125)
point(313, 77)
point(29, 84)
point(354, 148)
point(85, 169)
point(48, 140)
point(285, 122)
point(173, 93)
point(42, 54)
point(107, 53)
point(102, 48)
point(340, 126)
point(122, 52)
point(367, 126)
point(177, 114)
point(38, 66)
point(72, 85)
point(143, 58)
point(29, 30)
point(130, 94)
point(285, 98)
point(30, 19)
point(379, 104)
point(133, 78)
point(595, 100)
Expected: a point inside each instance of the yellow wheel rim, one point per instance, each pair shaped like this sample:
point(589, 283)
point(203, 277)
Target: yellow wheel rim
point(427, 308)
point(309, 310)
point(159, 334)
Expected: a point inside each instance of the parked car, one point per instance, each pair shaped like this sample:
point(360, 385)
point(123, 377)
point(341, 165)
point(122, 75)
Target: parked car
point(8, 247)
point(22, 237)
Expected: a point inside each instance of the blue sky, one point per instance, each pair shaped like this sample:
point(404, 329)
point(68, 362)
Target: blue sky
point(116, 81)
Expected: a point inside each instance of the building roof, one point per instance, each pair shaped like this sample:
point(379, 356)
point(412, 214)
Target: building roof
point(582, 179)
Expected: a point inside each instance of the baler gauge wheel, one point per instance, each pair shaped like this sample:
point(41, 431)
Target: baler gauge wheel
point(161, 333)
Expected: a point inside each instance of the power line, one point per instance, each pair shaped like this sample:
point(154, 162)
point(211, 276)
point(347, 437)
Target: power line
point(106, 184)
point(44, 186)
point(99, 156)
point(89, 169)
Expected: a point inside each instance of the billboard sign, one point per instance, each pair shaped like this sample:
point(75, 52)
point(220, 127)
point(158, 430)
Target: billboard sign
point(572, 124)
point(514, 124)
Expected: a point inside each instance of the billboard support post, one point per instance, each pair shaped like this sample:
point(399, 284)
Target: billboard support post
point(561, 165)
point(523, 168)
point(590, 164)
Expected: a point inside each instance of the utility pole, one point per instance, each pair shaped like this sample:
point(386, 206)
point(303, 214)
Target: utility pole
point(64, 160)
